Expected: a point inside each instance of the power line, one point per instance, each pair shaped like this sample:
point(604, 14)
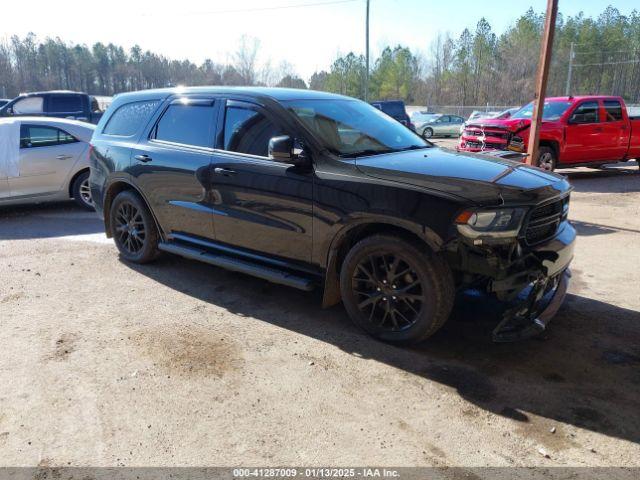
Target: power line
point(261, 9)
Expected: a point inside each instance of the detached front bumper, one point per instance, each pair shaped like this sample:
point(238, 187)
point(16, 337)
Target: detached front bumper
point(539, 301)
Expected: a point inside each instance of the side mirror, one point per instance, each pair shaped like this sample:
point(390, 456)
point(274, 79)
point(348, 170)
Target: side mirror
point(284, 149)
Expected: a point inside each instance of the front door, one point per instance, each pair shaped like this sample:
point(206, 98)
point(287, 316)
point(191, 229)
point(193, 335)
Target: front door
point(260, 205)
point(171, 167)
point(584, 134)
point(47, 156)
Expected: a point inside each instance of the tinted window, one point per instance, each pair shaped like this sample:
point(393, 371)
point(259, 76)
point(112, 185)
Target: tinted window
point(65, 103)
point(586, 112)
point(248, 131)
point(129, 118)
point(395, 109)
point(186, 124)
point(32, 136)
point(613, 110)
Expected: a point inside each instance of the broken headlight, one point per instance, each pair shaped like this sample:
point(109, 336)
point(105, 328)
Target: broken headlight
point(490, 224)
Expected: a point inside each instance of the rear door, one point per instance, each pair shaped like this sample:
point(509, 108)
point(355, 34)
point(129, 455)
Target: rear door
point(47, 156)
point(583, 134)
point(171, 166)
point(616, 130)
point(66, 106)
point(260, 205)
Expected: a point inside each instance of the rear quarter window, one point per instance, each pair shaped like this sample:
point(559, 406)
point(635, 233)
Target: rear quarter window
point(129, 118)
point(65, 103)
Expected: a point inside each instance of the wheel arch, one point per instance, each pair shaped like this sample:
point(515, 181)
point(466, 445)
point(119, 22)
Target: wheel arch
point(112, 191)
point(349, 235)
point(553, 145)
point(74, 177)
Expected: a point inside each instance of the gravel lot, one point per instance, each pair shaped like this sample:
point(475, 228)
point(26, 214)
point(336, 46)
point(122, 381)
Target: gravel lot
point(180, 363)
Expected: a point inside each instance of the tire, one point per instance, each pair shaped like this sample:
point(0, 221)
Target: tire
point(399, 312)
point(427, 133)
point(134, 229)
point(81, 192)
point(546, 159)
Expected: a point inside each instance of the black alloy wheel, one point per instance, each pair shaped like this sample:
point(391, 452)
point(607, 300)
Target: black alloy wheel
point(133, 228)
point(129, 228)
point(389, 292)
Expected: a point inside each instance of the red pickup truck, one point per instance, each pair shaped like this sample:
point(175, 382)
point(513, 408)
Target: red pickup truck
point(576, 131)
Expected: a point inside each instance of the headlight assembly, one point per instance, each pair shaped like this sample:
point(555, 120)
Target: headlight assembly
point(503, 223)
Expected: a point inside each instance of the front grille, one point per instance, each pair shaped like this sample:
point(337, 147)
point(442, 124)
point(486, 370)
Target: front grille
point(544, 221)
point(487, 133)
point(486, 145)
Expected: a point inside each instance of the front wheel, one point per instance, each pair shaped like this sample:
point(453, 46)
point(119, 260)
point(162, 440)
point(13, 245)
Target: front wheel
point(547, 159)
point(134, 230)
point(427, 133)
point(395, 291)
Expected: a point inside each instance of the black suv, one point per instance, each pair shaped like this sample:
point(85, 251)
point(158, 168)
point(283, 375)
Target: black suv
point(311, 189)
point(396, 110)
point(55, 103)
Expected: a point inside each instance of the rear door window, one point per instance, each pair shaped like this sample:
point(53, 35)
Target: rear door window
point(187, 124)
point(65, 104)
point(587, 112)
point(247, 130)
point(32, 136)
point(130, 117)
point(613, 110)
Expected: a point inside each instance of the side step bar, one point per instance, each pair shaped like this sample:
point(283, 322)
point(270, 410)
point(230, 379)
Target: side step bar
point(238, 265)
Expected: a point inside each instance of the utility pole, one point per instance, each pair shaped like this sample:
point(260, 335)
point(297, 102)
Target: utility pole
point(541, 80)
point(366, 77)
point(567, 91)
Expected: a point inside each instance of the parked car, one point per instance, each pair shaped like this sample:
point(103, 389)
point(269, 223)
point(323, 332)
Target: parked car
point(396, 110)
point(4, 101)
point(441, 126)
point(420, 117)
point(62, 104)
point(576, 131)
point(270, 182)
point(43, 160)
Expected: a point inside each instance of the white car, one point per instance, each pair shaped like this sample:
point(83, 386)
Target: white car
point(43, 160)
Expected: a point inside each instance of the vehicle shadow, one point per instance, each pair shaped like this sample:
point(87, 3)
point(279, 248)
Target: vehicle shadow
point(47, 221)
point(619, 179)
point(587, 229)
point(584, 371)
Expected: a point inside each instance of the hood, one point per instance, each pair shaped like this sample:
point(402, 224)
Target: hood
point(511, 124)
point(482, 179)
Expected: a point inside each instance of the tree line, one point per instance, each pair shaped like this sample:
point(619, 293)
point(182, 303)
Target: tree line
point(477, 67)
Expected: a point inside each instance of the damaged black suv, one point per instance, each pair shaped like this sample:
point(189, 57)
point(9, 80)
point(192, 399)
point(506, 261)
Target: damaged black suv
point(310, 189)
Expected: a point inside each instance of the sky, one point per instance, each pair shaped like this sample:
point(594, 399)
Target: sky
point(308, 34)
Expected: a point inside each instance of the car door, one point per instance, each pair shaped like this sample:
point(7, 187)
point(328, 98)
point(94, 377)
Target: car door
point(583, 134)
point(4, 186)
point(260, 205)
point(47, 156)
point(456, 122)
point(171, 163)
point(65, 105)
point(615, 130)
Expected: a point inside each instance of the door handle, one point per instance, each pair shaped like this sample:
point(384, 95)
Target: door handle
point(63, 157)
point(227, 172)
point(143, 158)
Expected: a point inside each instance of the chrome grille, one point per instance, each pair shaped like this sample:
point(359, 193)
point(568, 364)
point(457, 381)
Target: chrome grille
point(544, 221)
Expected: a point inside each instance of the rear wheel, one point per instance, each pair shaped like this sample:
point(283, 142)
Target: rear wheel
point(547, 159)
point(134, 230)
point(394, 290)
point(427, 133)
point(82, 192)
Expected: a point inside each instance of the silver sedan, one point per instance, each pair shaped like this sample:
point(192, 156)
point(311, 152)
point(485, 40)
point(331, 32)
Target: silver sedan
point(441, 126)
point(44, 159)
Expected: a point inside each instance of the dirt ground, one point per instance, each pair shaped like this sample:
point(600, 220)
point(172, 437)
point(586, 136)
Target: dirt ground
point(179, 363)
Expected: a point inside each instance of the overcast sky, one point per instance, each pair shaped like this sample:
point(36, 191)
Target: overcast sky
point(308, 37)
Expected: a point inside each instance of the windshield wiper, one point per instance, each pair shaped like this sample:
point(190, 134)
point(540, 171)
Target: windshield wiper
point(366, 152)
point(413, 147)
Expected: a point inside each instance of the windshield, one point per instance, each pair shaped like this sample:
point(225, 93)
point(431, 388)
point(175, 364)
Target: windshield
point(352, 128)
point(552, 111)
